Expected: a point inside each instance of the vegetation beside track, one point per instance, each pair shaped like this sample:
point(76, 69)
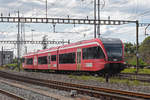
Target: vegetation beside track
point(133, 70)
point(112, 80)
point(12, 66)
point(83, 77)
point(144, 53)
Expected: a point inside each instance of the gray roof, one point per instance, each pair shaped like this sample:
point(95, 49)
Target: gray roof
point(111, 41)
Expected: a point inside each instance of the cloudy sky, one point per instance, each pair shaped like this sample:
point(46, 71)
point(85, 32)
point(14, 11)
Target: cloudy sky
point(116, 9)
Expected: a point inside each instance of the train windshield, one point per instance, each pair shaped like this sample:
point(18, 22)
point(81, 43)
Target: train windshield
point(113, 50)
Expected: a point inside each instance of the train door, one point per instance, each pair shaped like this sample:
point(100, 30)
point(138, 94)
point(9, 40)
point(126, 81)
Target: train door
point(49, 60)
point(35, 62)
point(78, 59)
point(54, 61)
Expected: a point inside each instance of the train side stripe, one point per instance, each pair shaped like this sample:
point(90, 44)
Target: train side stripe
point(66, 48)
point(79, 45)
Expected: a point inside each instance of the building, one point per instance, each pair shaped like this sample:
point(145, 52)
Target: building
point(6, 57)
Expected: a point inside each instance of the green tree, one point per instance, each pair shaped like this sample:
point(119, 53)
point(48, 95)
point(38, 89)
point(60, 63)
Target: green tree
point(144, 50)
point(130, 55)
point(129, 48)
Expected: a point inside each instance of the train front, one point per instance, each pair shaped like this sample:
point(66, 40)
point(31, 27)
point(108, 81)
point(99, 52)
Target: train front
point(115, 53)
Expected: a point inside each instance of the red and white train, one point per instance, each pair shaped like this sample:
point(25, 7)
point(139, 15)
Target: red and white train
point(100, 56)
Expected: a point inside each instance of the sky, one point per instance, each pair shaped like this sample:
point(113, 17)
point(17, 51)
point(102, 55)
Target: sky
point(116, 9)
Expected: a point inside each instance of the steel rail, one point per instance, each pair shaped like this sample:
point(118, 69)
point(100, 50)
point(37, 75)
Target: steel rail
point(12, 95)
point(139, 77)
point(140, 74)
point(83, 89)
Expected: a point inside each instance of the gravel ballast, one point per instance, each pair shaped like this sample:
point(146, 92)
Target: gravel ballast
point(29, 95)
point(5, 97)
point(66, 78)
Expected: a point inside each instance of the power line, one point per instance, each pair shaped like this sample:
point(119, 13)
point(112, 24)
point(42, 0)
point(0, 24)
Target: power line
point(139, 15)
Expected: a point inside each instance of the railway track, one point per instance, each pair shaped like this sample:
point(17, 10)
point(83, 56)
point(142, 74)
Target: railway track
point(11, 95)
point(136, 74)
point(97, 92)
point(133, 76)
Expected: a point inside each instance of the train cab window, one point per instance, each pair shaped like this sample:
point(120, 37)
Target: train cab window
point(53, 58)
point(67, 58)
point(42, 60)
point(92, 53)
point(29, 61)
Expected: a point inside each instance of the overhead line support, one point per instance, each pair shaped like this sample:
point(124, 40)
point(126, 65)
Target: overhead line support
point(137, 46)
point(63, 21)
point(144, 24)
point(35, 42)
point(18, 43)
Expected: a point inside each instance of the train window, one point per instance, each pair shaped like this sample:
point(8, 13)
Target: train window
point(53, 58)
point(29, 61)
point(42, 60)
point(92, 53)
point(67, 58)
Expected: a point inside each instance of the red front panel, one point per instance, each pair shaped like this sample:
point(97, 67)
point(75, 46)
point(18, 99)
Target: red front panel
point(92, 64)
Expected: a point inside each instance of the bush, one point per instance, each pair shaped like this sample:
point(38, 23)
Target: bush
point(133, 70)
point(132, 61)
point(11, 66)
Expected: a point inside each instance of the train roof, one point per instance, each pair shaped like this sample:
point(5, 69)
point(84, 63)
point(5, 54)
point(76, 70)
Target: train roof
point(111, 41)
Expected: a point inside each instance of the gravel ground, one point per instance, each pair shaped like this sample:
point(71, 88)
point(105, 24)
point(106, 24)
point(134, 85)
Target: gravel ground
point(5, 97)
point(66, 78)
point(24, 93)
point(35, 96)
